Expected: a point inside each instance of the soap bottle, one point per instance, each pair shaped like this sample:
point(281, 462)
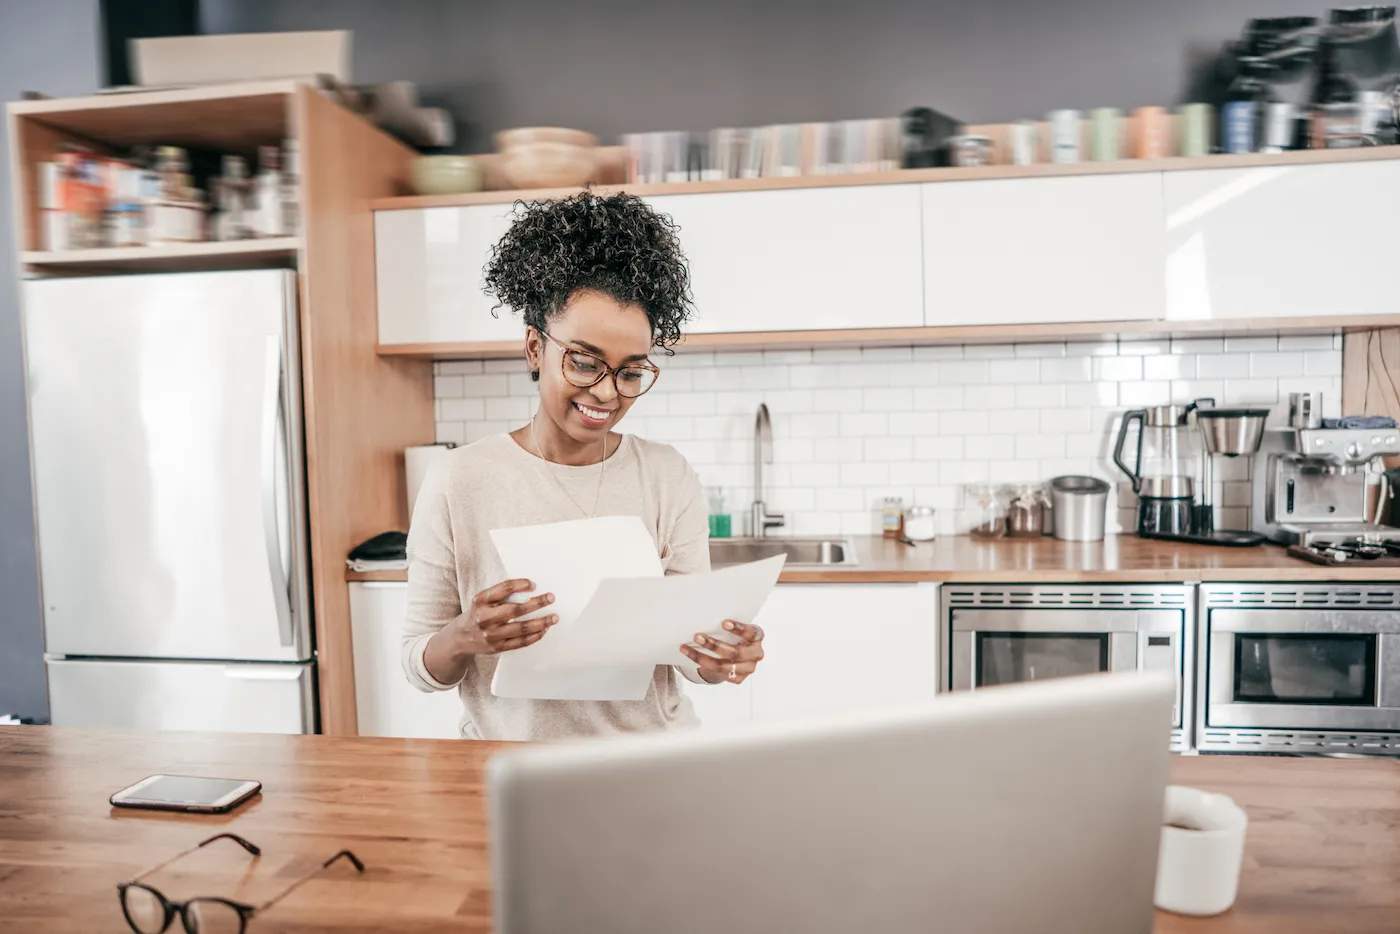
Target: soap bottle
point(721, 525)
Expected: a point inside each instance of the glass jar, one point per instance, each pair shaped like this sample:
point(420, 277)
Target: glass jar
point(1026, 517)
point(892, 517)
point(990, 520)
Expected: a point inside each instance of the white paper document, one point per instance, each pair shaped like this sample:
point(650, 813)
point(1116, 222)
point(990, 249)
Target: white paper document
point(569, 559)
point(645, 621)
point(619, 616)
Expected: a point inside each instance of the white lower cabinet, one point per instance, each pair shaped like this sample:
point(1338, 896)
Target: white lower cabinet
point(835, 647)
point(386, 704)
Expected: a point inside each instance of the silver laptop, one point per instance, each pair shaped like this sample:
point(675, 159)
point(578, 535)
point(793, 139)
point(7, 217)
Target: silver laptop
point(1032, 807)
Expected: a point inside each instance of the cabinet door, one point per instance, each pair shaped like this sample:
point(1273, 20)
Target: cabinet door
point(1043, 250)
point(1275, 242)
point(428, 264)
point(802, 259)
point(387, 705)
point(830, 647)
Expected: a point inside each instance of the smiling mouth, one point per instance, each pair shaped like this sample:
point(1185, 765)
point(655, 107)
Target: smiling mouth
point(597, 415)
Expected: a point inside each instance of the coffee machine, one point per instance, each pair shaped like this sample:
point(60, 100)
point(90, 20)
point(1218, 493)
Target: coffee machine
point(1313, 486)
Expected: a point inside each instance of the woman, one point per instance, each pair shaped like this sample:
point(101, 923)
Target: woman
point(600, 281)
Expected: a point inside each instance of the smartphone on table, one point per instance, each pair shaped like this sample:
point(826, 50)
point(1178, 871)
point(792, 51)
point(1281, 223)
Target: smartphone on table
point(186, 793)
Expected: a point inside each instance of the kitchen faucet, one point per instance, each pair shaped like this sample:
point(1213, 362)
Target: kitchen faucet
point(761, 520)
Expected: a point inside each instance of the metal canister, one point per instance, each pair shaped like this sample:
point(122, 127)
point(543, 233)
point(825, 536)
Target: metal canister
point(1080, 504)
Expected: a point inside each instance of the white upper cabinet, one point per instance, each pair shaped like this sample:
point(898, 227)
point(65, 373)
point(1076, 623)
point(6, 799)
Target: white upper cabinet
point(802, 259)
point(429, 265)
point(1043, 250)
point(1275, 242)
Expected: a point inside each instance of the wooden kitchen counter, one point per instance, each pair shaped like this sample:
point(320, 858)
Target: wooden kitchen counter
point(1323, 851)
point(1121, 558)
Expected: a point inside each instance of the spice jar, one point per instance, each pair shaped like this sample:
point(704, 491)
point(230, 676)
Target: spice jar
point(991, 515)
point(892, 517)
point(1026, 515)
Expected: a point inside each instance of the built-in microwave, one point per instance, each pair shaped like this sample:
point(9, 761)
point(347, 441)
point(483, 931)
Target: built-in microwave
point(1299, 669)
point(1000, 634)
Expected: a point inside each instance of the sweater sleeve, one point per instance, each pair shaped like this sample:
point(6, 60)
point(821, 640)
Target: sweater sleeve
point(433, 595)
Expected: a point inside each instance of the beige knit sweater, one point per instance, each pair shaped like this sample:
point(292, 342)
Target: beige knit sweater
point(495, 483)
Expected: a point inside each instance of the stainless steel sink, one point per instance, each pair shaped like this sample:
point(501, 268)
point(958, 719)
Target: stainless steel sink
point(801, 552)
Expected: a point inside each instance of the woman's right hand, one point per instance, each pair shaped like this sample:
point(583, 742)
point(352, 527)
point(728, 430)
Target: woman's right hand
point(492, 623)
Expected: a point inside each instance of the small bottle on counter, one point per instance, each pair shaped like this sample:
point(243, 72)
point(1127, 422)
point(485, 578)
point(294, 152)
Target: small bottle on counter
point(290, 196)
point(1025, 519)
point(231, 189)
point(721, 524)
point(268, 216)
point(892, 517)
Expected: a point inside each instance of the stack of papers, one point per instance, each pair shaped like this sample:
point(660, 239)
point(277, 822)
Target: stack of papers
point(619, 615)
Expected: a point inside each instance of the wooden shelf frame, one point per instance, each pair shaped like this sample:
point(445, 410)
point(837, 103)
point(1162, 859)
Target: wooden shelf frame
point(912, 176)
point(234, 254)
point(959, 334)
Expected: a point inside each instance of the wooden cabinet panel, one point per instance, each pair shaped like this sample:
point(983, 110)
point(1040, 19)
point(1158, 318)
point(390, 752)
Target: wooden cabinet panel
point(1043, 250)
point(1278, 242)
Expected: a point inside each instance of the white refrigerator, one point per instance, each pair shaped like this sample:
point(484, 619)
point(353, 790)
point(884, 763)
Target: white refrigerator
point(165, 423)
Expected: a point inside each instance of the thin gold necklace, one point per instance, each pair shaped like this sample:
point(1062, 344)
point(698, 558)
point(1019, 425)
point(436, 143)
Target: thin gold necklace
point(602, 465)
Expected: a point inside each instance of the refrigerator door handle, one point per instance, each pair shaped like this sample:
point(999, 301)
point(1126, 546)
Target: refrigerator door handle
point(272, 411)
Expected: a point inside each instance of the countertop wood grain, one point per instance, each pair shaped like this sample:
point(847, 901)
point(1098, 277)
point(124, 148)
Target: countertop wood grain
point(1124, 558)
point(1323, 850)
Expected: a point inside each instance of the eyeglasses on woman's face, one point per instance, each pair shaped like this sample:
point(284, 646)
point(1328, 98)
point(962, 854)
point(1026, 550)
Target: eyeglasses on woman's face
point(585, 370)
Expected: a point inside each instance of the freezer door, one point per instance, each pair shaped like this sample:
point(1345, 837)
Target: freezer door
point(235, 698)
point(166, 426)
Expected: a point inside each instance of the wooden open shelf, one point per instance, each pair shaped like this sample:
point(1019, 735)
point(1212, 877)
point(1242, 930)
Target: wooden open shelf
point(912, 176)
point(959, 334)
point(224, 117)
point(177, 257)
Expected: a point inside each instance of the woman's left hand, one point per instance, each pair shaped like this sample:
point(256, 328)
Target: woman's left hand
point(732, 663)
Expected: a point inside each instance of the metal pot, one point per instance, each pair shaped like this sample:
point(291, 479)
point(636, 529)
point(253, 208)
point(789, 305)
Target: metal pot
point(1080, 504)
point(1232, 432)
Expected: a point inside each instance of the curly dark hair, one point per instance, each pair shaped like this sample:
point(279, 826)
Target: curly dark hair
point(614, 244)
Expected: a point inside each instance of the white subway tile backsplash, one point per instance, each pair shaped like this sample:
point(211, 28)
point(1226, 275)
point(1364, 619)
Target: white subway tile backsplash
point(1251, 344)
point(963, 372)
point(448, 387)
point(1275, 364)
point(1056, 349)
point(1118, 369)
point(1068, 370)
point(1013, 371)
point(1305, 341)
point(853, 425)
point(486, 386)
point(888, 400)
point(1169, 366)
point(1135, 395)
point(1321, 363)
point(988, 351)
point(1223, 366)
point(1133, 347)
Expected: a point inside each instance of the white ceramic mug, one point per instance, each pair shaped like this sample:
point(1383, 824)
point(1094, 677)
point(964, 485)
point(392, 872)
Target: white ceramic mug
point(1022, 138)
point(1198, 863)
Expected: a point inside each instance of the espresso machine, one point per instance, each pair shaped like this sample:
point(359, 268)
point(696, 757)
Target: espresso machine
point(1315, 486)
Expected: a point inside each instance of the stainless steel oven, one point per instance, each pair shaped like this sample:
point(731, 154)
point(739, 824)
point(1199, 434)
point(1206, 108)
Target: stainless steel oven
point(1000, 634)
point(1299, 669)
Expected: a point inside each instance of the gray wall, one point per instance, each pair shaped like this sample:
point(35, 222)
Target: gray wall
point(50, 46)
point(617, 66)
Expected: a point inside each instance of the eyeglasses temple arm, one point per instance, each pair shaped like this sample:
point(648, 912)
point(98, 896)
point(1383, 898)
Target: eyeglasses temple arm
point(183, 853)
point(355, 861)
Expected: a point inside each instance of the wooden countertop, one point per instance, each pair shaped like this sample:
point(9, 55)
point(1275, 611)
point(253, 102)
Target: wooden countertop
point(1323, 851)
point(1124, 558)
